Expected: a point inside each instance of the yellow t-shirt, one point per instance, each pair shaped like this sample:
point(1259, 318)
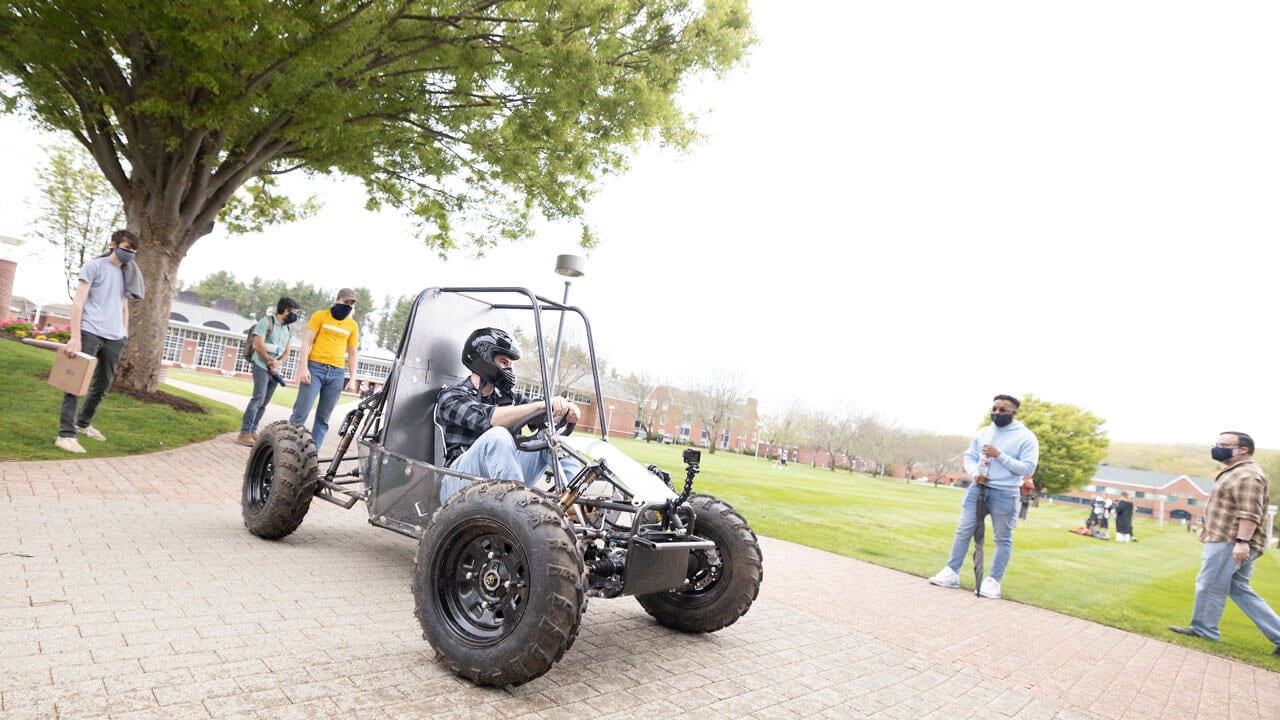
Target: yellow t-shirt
point(333, 337)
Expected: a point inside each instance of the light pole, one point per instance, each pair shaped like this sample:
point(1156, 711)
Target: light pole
point(607, 423)
point(759, 430)
point(570, 266)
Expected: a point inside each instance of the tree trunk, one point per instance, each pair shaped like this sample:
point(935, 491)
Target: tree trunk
point(159, 254)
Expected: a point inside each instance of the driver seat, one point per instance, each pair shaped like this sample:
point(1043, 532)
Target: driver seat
point(434, 440)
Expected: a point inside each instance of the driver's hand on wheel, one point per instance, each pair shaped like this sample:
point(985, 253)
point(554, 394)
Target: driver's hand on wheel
point(562, 408)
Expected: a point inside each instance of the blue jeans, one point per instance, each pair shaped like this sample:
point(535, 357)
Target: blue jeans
point(494, 455)
point(1001, 505)
point(1220, 577)
point(263, 389)
point(327, 381)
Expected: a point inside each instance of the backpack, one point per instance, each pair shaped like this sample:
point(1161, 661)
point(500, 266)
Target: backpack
point(247, 353)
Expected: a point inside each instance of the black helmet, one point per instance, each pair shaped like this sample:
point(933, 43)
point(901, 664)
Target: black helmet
point(478, 352)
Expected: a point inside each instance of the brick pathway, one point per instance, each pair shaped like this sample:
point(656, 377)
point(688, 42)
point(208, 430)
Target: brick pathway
point(130, 589)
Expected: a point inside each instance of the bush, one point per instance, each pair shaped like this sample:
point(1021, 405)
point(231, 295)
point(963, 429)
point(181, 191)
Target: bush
point(19, 329)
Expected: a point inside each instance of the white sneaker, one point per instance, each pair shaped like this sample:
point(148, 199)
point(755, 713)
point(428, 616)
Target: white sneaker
point(990, 588)
point(92, 432)
point(947, 578)
point(68, 444)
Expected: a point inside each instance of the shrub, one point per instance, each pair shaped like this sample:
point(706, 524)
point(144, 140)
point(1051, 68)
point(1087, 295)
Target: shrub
point(17, 328)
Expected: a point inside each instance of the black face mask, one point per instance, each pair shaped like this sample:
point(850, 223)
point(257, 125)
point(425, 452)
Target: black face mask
point(1221, 454)
point(504, 380)
point(340, 311)
point(291, 318)
point(1001, 420)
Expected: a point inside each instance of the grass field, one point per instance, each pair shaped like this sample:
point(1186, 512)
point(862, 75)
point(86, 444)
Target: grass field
point(1141, 587)
point(283, 396)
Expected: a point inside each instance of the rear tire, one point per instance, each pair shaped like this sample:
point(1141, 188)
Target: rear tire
point(279, 480)
point(499, 585)
point(719, 594)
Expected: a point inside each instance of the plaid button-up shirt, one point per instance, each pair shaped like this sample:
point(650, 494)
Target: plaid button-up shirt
point(465, 414)
point(1239, 493)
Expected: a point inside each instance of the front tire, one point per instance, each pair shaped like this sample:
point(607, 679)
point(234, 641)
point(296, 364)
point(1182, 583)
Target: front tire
point(718, 593)
point(499, 586)
point(279, 480)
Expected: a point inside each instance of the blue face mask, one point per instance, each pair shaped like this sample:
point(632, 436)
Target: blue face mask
point(1001, 420)
point(1221, 454)
point(291, 318)
point(340, 311)
point(125, 256)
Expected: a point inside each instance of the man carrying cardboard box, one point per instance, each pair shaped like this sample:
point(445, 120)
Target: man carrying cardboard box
point(100, 329)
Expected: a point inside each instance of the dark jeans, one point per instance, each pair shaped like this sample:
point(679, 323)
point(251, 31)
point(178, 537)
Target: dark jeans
point(108, 353)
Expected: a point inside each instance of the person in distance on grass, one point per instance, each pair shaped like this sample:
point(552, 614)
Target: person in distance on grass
point(1234, 536)
point(479, 414)
point(1000, 455)
point(99, 327)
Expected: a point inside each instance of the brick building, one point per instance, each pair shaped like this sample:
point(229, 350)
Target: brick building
point(1155, 495)
point(675, 421)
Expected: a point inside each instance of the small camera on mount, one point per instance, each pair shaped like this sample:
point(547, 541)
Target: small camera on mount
point(692, 457)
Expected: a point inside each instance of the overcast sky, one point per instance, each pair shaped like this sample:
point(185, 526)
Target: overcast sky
point(906, 208)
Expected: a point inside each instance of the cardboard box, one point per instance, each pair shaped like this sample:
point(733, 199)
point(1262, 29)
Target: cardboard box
point(72, 374)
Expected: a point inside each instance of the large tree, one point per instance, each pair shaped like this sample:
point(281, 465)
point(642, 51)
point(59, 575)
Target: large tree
point(639, 388)
point(712, 402)
point(1072, 443)
point(470, 114)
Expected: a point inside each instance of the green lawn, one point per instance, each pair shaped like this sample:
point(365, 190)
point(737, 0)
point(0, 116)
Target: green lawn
point(29, 413)
point(1141, 587)
point(283, 396)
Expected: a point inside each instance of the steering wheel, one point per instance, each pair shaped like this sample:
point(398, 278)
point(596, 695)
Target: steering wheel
point(536, 421)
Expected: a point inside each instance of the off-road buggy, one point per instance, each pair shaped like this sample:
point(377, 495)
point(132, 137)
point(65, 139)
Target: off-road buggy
point(503, 572)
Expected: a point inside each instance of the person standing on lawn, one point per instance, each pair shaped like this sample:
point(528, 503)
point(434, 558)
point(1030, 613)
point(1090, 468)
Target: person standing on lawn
point(1000, 455)
point(331, 336)
point(1234, 536)
point(271, 349)
point(99, 327)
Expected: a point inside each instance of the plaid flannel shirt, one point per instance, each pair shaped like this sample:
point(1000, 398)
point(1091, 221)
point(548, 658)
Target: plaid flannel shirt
point(465, 415)
point(1239, 493)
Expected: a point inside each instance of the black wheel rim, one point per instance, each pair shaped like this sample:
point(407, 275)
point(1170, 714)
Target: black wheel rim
point(261, 470)
point(709, 573)
point(484, 584)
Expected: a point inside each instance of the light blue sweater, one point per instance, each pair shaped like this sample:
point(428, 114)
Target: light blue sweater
point(1019, 452)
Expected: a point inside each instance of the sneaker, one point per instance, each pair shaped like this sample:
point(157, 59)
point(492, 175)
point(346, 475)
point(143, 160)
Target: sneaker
point(68, 444)
point(92, 432)
point(245, 439)
point(947, 578)
point(990, 588)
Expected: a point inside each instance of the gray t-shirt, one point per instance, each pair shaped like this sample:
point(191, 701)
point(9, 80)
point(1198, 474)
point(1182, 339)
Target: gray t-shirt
point(103, 313)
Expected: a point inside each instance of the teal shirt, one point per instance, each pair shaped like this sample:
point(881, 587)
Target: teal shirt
point(276, 339)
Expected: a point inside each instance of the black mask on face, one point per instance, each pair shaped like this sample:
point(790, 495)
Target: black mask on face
point(1221, 454)
point(504, 380)
point(1001, 420)
point(291, 318)
point(340, 311)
